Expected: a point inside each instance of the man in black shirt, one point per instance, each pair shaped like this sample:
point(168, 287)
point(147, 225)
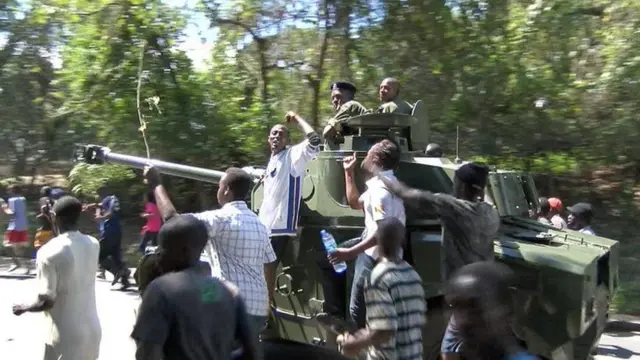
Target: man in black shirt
point(186, 314)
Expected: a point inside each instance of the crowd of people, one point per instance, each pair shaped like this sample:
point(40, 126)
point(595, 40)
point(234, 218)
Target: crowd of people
point(551, 212)
point(207, 279)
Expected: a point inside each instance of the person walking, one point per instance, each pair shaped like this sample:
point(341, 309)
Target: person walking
point(17, 236)
point(154, 222)
point(66, 288)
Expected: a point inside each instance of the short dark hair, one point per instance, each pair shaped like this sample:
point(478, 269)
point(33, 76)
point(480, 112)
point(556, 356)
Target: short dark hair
point(387, 153)
point(67, 210)
point(390, 235)
point(184, 231)
point(239, 182)
point(485, 283)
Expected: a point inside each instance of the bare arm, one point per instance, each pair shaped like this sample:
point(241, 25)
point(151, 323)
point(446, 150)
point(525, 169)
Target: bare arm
point(363, 338)
point(351, 190)
point(165, 206)
point(7, 210)
point(270, 278)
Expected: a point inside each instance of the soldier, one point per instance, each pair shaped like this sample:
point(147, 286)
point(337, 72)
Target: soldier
point(433, 150)
point(389, 94)
point(342, 98)
point(580, 216)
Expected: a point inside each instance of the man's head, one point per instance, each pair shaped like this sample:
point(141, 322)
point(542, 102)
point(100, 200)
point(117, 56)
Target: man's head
point(234, 186)
point(580, 216)
point(555, 206)
point(469, 181)
point(433, 150)
point(389, 89)
point(180, 242)
point(384, 154)
point(66, 212)
point(278, 138)
point(341, 92)
point(45, 191)
point(13, 189)
point(480, 298)
point(389, 236)
point(544, 207)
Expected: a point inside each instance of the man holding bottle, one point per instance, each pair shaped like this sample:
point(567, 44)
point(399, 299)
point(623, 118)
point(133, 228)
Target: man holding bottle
point(378, 203)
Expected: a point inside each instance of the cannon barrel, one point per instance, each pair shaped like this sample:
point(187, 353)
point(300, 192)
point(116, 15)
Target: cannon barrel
point(96, 154)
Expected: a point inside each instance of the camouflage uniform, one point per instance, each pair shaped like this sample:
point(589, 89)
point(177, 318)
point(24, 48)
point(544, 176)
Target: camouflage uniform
point(345, 112)
point(396, 106)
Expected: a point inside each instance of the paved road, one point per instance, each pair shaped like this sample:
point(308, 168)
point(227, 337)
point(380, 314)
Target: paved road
point(20, 340)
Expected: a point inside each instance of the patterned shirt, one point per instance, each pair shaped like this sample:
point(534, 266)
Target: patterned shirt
point(238, 248)
point(468, 228)
point(394, 298)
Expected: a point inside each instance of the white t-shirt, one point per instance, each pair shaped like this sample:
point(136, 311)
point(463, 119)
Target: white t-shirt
point(283, 188)
point(379, 203)
point(66, 270)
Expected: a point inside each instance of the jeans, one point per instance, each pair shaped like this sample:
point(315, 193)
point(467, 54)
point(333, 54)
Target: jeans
point(148, 239)
point(362, 270)
point(110, 253)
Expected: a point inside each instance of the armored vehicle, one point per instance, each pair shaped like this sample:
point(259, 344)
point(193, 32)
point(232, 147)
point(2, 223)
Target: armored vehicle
point(565, 277)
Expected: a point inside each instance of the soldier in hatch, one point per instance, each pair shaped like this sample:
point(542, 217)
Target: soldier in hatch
point(342, 98)
point(389, 94)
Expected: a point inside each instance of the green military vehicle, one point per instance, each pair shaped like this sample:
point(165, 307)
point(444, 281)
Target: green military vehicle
point(565, 277)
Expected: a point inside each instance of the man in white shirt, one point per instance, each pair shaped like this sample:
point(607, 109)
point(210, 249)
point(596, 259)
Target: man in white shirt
point(66, 288)
point(378, 203)
point(239, 249)
point(283, 182)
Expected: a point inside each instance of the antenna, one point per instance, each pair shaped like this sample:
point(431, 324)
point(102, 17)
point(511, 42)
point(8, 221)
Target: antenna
point(458, 160)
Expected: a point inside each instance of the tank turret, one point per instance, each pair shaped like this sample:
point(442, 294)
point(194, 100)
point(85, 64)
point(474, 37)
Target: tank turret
point(566, 277)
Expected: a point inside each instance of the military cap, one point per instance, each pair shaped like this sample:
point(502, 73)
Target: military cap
point(343, 85)
point(582, 210)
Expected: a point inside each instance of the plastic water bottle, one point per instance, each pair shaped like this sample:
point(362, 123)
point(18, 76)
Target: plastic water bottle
point(330, 246)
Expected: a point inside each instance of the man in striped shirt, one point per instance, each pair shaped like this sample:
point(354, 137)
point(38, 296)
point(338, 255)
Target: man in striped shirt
point(395, 302)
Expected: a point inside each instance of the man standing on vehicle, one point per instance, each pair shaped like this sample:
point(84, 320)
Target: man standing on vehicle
point(108, 214)
point(342, 98)
point(544, 211)
point(469, 227)
point(389, 94)
point(580, 216)
point(283, 183)
point(378, 203)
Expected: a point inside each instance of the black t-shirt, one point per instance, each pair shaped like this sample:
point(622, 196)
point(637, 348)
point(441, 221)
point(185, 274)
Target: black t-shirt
point(45, 221)
point(191, 315)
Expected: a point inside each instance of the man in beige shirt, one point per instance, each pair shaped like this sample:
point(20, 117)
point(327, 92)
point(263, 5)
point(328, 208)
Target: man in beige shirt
point(389, 94)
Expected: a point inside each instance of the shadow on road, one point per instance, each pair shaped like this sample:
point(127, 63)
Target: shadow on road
point(621, 326)
point(616, 351)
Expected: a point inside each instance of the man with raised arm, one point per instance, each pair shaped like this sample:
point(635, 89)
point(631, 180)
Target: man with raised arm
point(283, 182)
point(238, 249)
point(469, 227)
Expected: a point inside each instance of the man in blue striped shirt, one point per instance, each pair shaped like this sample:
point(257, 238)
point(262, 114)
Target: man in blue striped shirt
point(395, 302)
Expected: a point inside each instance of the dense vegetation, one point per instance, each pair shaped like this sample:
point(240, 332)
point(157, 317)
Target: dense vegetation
point(548, 86)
